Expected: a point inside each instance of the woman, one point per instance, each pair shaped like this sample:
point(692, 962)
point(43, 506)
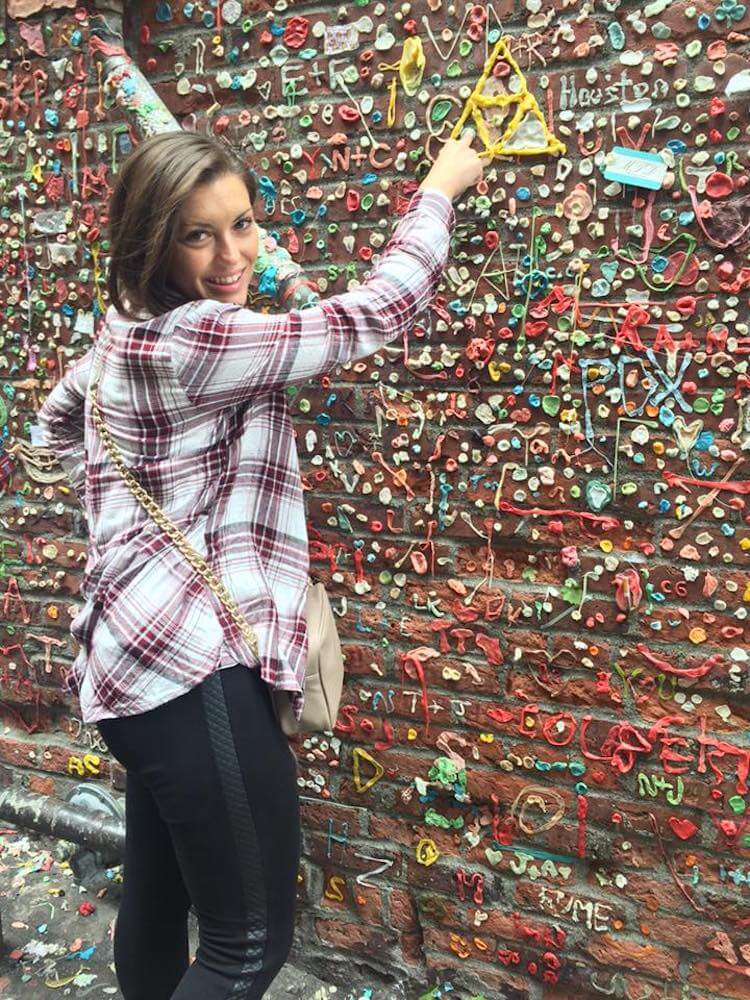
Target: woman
point(192, 387)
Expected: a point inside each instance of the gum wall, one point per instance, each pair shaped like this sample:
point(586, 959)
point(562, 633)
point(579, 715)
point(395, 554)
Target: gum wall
point(533, 515)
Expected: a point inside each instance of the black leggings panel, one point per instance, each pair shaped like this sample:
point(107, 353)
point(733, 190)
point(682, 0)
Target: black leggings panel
point(212, 821)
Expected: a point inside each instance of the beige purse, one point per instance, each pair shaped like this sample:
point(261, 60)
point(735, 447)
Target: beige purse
point(324, 673)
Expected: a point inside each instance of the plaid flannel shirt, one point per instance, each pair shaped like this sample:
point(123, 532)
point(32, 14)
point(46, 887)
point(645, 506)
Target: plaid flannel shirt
point(196, 401)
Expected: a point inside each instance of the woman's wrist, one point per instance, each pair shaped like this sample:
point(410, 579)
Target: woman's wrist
point(436, 184)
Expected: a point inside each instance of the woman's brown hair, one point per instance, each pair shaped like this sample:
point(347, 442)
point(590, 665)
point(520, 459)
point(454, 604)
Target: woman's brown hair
point(151, 187)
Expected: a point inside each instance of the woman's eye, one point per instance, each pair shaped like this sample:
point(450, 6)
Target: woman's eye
point(197, 235)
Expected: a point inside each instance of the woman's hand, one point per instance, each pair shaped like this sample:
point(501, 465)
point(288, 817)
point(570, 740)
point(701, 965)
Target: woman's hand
point(456, 167)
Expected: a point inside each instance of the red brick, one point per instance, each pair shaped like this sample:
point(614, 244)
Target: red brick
point(487, 978)
point(402, 911)
point(42, 786)
point(411, 948)
point(678, 932)
point(608, 951)
point(315, 816)
point(352, 936)
point(721, 980)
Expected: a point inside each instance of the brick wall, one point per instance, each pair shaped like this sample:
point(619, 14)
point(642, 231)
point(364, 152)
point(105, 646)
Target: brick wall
point(540, 506)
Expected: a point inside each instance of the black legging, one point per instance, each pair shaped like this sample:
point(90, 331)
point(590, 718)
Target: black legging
point(212, 820)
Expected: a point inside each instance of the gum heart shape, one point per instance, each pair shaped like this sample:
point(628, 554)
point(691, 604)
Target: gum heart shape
point(682, 828)
point(343, 440)
point(598, 495)
point(686, 434)
point(609, 270)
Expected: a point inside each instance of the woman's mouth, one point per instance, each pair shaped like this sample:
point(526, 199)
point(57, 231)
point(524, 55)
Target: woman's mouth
point(227, 283)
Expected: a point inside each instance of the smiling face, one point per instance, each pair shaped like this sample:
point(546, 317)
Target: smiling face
point(216, 242)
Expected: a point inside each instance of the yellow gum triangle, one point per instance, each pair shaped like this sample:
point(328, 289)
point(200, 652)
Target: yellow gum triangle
point(358, 756)
point(523, 104)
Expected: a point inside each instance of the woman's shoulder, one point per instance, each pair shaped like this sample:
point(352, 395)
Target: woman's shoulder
point(144, 322)
point(212, 318)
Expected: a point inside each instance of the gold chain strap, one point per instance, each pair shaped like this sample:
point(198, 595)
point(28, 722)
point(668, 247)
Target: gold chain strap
point(152, 508)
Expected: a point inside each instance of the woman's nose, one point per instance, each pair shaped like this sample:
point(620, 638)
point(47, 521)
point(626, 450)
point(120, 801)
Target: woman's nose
point(228, 249)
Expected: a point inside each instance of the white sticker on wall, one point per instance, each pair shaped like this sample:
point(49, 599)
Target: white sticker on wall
point(634, 167)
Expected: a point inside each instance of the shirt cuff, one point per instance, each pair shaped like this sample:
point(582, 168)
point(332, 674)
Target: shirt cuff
point(438, 202)
point(436, 191)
